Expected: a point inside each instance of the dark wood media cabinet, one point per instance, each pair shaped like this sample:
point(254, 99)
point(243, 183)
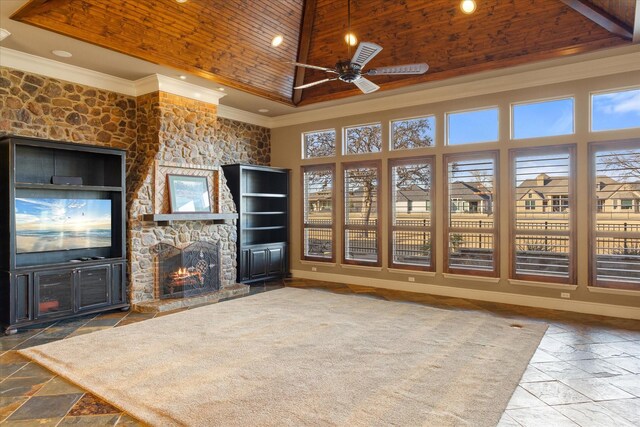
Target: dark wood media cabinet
point(65, 273)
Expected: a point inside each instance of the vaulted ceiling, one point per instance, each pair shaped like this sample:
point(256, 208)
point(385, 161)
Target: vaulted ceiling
point(229, 41)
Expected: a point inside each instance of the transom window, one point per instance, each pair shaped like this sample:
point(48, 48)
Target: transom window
point(413, 133)
point(542, 118)
point(363, 139)
point(615, 110)
point(319, 144)
point(467, 127)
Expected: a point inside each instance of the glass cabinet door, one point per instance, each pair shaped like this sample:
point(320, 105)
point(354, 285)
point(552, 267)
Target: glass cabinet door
point(94, 285)
point(55, 292)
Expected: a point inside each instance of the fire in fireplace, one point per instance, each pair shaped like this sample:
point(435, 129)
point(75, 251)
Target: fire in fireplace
point(186, 272)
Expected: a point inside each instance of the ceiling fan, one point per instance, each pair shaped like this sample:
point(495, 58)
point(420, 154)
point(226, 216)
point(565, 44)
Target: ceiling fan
point(353, 71)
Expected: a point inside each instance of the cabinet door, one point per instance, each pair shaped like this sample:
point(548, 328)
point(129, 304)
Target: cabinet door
point(276, 260)
point(118, 284)
point(54, 292)
point(22, 297)
point(94, 285)
point(258, 262)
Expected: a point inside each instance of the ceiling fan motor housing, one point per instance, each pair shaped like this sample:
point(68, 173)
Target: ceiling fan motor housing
point(348, 71)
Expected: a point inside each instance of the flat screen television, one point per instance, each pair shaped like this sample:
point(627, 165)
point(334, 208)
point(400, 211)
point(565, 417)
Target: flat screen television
point(45, 225)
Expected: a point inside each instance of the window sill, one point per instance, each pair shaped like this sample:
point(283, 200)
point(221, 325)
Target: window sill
point(361, 267)
point(319, 263)
point(412, 272)
point(494, 280)
point(612, 291)
point(543, 285)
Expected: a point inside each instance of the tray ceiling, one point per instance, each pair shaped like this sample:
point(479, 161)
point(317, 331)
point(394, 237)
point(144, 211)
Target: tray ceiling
point(229, 41)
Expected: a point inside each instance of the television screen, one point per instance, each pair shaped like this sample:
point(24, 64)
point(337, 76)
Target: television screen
point(44, 225)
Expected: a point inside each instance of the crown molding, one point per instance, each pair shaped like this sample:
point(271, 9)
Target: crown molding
point(244, 116)
point(485, 86)
point(59, 70)
point(158, 82)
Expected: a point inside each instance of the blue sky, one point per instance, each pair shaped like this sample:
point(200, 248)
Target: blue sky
point(617, 110)
point(473, 126)
point(62, 214)
point(543, 119)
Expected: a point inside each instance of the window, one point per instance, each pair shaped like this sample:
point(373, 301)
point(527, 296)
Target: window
point(468, 127)
point(545, 118)
point(319, 144)
point(615, 110)
point(411, 217)
point(363, 139)
point(530, 205)
point(361, 216)
point(615, 240)
point(541, 238)
point(318, 213)
point(413, 133)
point(471, 217)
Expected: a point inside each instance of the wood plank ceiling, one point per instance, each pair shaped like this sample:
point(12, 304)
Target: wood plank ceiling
point(228, 41)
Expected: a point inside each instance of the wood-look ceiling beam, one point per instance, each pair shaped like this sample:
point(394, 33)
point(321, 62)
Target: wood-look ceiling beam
point(306, 28)
point(602, 18)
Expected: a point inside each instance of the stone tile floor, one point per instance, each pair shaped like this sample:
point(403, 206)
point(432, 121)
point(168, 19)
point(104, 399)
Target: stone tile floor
point(586, 371)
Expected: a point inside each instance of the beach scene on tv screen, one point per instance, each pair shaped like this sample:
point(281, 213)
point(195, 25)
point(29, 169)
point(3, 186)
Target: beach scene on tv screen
point(44, 225)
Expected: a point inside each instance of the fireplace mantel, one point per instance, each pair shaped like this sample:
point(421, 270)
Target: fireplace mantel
point(169, 219)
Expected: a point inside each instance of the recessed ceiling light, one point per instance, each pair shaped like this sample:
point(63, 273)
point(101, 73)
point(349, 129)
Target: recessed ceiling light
point(277, 40)
point(4, 34)
point(183, 77)
point(181, 1)
point(62, 53)
point(263, 110)
point(351, 39)
point(221, 89)
point(468, 6)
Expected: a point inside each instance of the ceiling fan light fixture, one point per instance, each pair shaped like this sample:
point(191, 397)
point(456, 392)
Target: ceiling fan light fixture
point(468, 6)
point(351, 39)
point(277, 40)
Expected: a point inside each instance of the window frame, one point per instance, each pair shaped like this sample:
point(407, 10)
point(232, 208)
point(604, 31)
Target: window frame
point(514, 153)
point(447, 130)
point(512, 128)
point(303, 226)
point(431, 160)
point(345, 142)
point(446, 159)
point(410, 150)
point(377, 164)
point(594, 148)
point(304, 144)
point(604, 92)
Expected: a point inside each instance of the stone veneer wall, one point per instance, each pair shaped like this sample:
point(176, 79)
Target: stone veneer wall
point(156, 126)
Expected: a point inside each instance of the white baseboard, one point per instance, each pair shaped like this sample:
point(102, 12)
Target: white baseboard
point(611, 310)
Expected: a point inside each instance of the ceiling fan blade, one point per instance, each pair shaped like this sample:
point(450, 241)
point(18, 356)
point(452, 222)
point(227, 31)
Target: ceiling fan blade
point(366, 86)
point(315, 67)
point(365, 53)
point(314, 83)
point(399, 69)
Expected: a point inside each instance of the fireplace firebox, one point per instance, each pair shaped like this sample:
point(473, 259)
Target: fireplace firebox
point(186, 272)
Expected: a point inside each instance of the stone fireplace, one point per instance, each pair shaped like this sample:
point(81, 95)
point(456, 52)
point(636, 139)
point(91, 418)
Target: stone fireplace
point(182, 273)
point(162, 133)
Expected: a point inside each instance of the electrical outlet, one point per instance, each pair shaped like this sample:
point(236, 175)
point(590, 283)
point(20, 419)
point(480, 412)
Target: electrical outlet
point(565, 295)
point(314, 269)
point(412, 279)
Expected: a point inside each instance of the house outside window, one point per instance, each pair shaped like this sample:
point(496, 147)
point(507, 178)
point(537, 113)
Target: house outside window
point(530, 204)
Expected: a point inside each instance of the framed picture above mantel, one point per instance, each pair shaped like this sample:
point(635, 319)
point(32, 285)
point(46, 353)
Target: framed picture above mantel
point(189, 194)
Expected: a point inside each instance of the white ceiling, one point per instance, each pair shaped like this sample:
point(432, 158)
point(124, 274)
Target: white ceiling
point(35, 41)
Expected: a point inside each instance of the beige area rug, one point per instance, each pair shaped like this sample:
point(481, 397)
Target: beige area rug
point(300, 357)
